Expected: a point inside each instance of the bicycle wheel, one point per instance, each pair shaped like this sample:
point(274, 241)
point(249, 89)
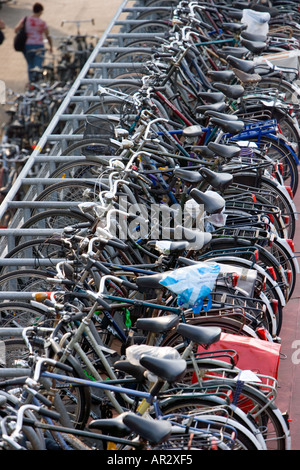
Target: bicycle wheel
point(18, 314)
point(279, 85)
point(278, 152)
point(37, 250)
point(244, 440)
point(73, 191)
point(79, 169)
point(260, 409)
point(151, 27)
point(26, 280)
point(55, 219)
point(91, 147)
point(76, 400)
point(269, 190)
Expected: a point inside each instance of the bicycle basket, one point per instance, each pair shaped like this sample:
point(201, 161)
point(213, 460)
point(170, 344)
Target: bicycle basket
point(98, 127)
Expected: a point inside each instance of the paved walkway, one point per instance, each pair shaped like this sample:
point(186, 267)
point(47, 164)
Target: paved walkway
point(13, 70)
point(289, 366)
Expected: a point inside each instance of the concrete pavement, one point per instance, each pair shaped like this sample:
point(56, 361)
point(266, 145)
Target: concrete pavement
point(13, 70)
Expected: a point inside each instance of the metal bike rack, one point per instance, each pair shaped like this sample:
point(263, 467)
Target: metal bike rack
point(99, 69)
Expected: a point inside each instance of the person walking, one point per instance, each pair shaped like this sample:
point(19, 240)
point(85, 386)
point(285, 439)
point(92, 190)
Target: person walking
point(2, 26)
point(35, 29)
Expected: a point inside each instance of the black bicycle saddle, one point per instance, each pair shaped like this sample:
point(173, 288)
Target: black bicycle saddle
point(154, 431)
point(219, 181)
point(234, 51)
point(229, 117)
point(232, 127)
point(201, 335)
point(231, 91)
point(256, 47)
point(211, 201)
point(234, 27)
point(247, 66)
point(211, 97)
point(114, 426)
point(225, 76)
point(157, 324)
point(190, 176)
point(170, 370)
point(221, 106)
point(225, 151)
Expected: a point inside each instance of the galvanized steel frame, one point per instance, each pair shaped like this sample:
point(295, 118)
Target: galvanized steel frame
point(82, 92)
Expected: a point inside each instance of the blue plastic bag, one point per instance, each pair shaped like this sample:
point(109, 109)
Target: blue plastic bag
point(193, 284)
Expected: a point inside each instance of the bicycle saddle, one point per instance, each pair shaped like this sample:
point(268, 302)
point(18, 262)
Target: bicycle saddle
point(203, 151)
point(192, 131)
point(201, 335)
point(234, 51)
point(264, 8)
point(158, 324)
point(114, 426)
point(219, 181)
point(230, 117)
point(253, 37)
point(247, 66)
point(235, 14)
point(211, 97)
point(168, 246)
point(135, 370)
point(213, 203)
point(232, 127)
point(256, 47)
point(221, 75)
point(231, 91)
point(226, 151)
point(189, 176)
point(220, 106)
point(170, 370)
point(150, 282)
point(246, 77)
point(196, 238)
point(153, 431)
point(234, 27)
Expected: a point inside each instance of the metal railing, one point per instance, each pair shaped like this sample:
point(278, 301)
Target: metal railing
point(99, 69)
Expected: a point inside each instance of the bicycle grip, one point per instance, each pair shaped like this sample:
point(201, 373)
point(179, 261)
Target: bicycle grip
point(103, 304)
point(49, 413)
point(43, 399)
point(117, 244)
point(129, 285)
point(101, 268)
point(62, 366)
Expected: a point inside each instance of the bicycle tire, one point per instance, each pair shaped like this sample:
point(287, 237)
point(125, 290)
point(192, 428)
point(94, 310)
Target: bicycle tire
point(151, 27)
point(183, 406)
point(78, 408)
point(21, 315)
point(55, 219)
point(44, 248)
point(91, 147)
point(274, 195)
point(281, 154)
point(261, 410)
point(26, 280)
point(72, 191)
point(79, 169)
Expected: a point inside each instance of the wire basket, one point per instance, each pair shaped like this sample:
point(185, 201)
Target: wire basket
point(98, 127)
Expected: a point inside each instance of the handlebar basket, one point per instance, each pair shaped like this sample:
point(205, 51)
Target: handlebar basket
point(98, 127)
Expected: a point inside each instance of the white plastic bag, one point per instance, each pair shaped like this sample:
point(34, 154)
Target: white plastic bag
point(257, 21)
point(192, 284)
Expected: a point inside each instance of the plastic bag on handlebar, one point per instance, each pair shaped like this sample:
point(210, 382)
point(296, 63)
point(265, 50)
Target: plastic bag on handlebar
point(193, 284)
